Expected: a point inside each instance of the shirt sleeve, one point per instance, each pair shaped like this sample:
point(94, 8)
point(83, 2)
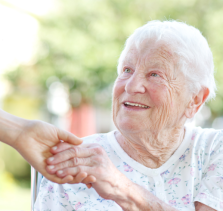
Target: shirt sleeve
point(211, 187)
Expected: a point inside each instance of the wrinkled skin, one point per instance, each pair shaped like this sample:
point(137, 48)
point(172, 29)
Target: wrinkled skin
point(149, 77)
point(90, 158)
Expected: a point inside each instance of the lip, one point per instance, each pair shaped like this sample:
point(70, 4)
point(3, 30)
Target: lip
point(129, 101)
point(134, 107)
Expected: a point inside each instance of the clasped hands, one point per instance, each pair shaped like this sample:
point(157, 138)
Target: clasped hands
point(88, 164)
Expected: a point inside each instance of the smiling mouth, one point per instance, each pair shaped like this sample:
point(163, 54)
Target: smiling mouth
point(128, 104)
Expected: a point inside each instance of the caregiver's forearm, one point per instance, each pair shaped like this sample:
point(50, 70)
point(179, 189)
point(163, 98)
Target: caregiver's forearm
point(10, 127)
point(132, 197)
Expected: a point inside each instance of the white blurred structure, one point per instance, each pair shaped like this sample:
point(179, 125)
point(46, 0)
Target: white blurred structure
point(19, 33)
point(58, 99)
point(218, 123)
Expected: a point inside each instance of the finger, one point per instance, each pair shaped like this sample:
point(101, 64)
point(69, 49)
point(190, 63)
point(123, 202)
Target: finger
point(56, 179)
point(64, 146)
point(60, 147)
point(81, 176)
point(68, 137)
point(72, 171)
point(69, 154)
point(89, 185)
point(67, 179)
point(89, 179)
point(51, 169)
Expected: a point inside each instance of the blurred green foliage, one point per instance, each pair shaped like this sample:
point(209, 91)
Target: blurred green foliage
point(81, 41)
point(15, 164)
point(12, 195)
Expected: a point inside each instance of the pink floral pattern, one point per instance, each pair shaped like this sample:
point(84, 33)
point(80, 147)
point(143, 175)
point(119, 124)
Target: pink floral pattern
point(164, 173)
point(194, 174)
point(186, 199)
point(78, 205)
point(127, 168)
point(172, 202)
point(212, 167)
point(174, 181)
point(50, 188)
point(66, 196)
point(202, 195)
point(193, 136)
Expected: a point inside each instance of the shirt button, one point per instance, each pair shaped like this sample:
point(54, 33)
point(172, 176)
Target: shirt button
point(154, 173)
point(160, 194)
point(158, 184)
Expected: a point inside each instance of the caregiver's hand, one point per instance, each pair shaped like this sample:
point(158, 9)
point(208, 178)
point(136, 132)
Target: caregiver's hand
point(34, 142)
point(92, 159)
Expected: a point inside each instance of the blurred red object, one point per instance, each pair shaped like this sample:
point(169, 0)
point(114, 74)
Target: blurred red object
point(82, 121)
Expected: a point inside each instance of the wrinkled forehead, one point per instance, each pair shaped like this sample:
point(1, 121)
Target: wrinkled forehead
point(150, 53)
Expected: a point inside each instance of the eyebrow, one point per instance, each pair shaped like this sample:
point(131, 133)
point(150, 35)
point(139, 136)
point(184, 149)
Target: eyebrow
point(163, 63)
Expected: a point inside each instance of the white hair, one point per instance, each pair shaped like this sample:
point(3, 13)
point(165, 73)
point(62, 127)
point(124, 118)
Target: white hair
point(190, 46)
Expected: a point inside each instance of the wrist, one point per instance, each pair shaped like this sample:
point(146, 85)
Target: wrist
point(10, 127)
point(126, 195)
point(132, 197)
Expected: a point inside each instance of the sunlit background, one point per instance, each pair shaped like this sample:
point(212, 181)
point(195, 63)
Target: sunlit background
point(58, 63)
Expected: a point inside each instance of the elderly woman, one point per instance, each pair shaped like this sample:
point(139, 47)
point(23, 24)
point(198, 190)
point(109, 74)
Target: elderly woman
point(153, 161)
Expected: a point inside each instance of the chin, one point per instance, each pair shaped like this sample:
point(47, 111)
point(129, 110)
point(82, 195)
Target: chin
point(126, 125)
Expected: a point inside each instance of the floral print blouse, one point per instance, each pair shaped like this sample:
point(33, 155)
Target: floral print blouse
point(193, 173)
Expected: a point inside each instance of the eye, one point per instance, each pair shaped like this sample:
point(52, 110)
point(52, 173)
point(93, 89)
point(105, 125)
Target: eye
point(127, 70)
point(155, 75)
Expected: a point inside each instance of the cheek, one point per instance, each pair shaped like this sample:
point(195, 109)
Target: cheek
point(160, 95)
point(119, 88)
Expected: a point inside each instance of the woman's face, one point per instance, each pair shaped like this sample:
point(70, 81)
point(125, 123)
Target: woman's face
point(149, 94)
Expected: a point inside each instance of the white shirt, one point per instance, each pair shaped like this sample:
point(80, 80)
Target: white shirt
point(193, 173)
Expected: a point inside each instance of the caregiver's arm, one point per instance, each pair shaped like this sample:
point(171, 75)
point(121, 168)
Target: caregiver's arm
point(33, 140)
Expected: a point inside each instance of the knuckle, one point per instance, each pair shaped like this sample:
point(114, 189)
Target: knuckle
point(79, 169)
point(98, 159)
point(75, 161)
point(98, 150)
point(74, 151)
point(58, 158)
point(62, 165)
point(100, 171)
point(65, 171)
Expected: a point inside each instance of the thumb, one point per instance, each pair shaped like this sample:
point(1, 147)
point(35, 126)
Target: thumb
point(68, 137)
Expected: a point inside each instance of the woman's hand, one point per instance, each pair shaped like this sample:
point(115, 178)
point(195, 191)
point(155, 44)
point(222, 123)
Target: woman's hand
point(107, 180)
point(92, 160)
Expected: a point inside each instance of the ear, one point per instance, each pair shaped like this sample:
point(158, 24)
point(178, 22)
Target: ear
point(196, 102)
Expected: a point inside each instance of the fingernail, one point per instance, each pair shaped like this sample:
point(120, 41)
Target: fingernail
point(54, 148)
point(50, 167)
point(89, 186)
point(51, 159)
point(60, 172)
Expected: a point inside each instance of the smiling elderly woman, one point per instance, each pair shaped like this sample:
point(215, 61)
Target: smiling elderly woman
point(152, 161)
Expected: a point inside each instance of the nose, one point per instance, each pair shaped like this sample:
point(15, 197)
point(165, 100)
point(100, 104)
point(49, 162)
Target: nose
point(135, 84)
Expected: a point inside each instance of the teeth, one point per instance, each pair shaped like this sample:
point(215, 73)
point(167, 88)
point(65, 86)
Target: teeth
point(135, 104)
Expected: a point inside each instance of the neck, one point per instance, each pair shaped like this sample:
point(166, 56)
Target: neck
point(149, 148)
